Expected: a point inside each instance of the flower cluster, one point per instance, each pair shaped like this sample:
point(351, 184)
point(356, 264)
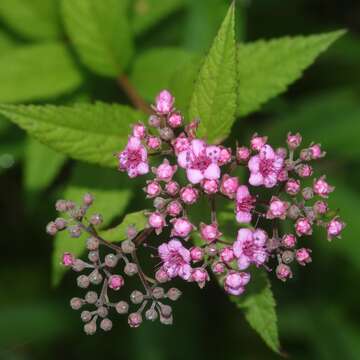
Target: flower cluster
point(185, 170)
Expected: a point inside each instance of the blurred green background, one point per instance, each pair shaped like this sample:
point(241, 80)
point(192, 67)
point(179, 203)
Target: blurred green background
point(318, 310)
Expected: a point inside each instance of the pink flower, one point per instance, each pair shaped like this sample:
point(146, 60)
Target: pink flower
point(218, 268)
point(244, 204)
point(225, 155)
point(322, 188)
point(321, 207)
point(157, 221)
point(68, 259)
point(303, 226)
point(283, 272)
point(153, 142)
point(210, 232)
point(174, 208)
point(235, 282)
point(294, 141)
point(189, 195)
point(134, 320)
point(250, 248)
point(316, 152)
point(292, 187)
point(265, 167)
point(303, 256)
point(115, 282)
point(165, 171)
point(277, 208)
point(196, 253)
point(176, 259)
point(164, 102)
point(304, 170)
point(283, 175)
point(210, 186)
point(139, 131)
point(257, 142)
point(172, 188)
point(181, 143)
point(161, 276)
point(175, 120)
point(243, 154)
point(200, 161)
point(335, 228)
point(182, 227)
point(152, 189)
point(229, 186)
point(200, 276)
point(289, 241)
point(227, 254)
point(134, 158)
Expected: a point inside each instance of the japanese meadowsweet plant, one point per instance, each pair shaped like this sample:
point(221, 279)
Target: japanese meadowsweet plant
point(216, 210)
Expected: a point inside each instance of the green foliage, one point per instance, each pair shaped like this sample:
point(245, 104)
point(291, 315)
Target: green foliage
point(214, 97)
point(112, 194)
point(100, 33)
point(44, 71)
point(32, 19)
point(259, 306)
point(153, 69)
point(146, 13)
point(92, 133)
point(267, 68)
point(41, 165)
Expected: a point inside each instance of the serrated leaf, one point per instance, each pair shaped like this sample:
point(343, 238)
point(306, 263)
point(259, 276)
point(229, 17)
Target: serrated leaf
point(92, 133)
point(41, 165)
point(118, 233)
point(259, 304)
point(267, 68)
point(214, 97)
point(34, 19)
point(100, 33)
point(150, 75)
point(34, 72)
point(146, 13)
point(112, 193)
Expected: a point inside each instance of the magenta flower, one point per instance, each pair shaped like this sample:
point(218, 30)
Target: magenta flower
point(244, 204)
point(335, 228)
point(134, 158)
point(164, 102)
point(265, 167)
point(165, 171)
point(200, 161)
point(235, 282)
point(250, 248)
point(277, 208)
point(176, 259)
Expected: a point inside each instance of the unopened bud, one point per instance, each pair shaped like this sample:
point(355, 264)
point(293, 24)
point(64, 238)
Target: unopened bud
point(76, 303)
point(173, 294)
point(136, 297)
point(96, 219)
point(111, 260)
point(151, 315)
point(128, 246)
point(130, 269)
point(95, 277)
point(287, 257)
point(106, 324)
point(122, 307)
point(158, 293)
point(167, 133)
point(102, 311)
point(92, 243)
point(86, 316)
point(88, 199)
point(91, 297)
point(83, 281)
point(90, 328)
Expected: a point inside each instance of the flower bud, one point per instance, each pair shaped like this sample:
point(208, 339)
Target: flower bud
point(303, 256)
point(175, 120)
point(154, 121)
point(304, 170)
point(321, 207)
point(92, 243)
point(161, 276)
point(78, 265)
point(316, 152)
point(93, 256)
point(218, 268)
point(182, 227)
point(102, 311)
point(293, 212)
point(153, 142)
point(51, 228)
point(151, 314)
point(164, 102)
point(136, 297)
point(292, 187)
point(227, 254)
point(130, 269)
point(88, 199)
point(95, 277)
point(257, 142)
point(243, 154)
point(74, 231)
point(287, 257)
point(283, 272)
point(76, 303)
point(159, 203)
point(289, 241)
point(68, 259)
point(174, 208)
point(128, 246)
point(235, 282)
point(135, 320)
point(60, 223)
point(139, 131)
point(115, 282)
point(61, 206)
point(173, 294)
point(90, 328)
point(122, 307)
point(96, 219)
point(293, 141)
point(152, 189)
point(335, 228)
point(91, 297)
point(189, 195)
point(229, 186)
point(303, 226)
point(111, 260)
point(83, 281)
point(158, 292)
point(305, 155)
point(86, 316)
point(277, 208)
point(106, 324)
point(196, 253)
point(307, 193)
point(172, 188)
point(167, 134)
point(322, 188)
point(210, 232)
point(210, 186)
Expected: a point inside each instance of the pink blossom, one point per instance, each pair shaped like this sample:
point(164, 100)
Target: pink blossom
point(161, 276)
point(227, 254)
point(289, 241)
point(225, 155)
point(164, 102)
point(189, 195)
point(257, 142)
point(210, 186)
point(181, 143)
point(250, 248)
point(292, 187)
point(265, 167)
point(134, 158)
point(139, 131)
point(176, 259)
point(235, 282)
point(283, 272)
point(244, 204)
point(172, 188)
point(304, 170)
point(218, 268)
point(174, 208)
point(115, 282)
point(68, 259)
point(152, 189)
point(322, 188)
point(200, 161)
point(243, 154)
point(303, 256)
point(175, 120)
point(210, 232)
point(277, 208)
point(303, 226)
point(283, 175)
point(316, 152)
point(200, 276)
point(134, 320)
point(153, 142)
point(321, 207)
point(182, 227)
point(157, 221)
point(229, 186)
point(293, 141)
point(196, 253)
point(165, 171)
point(335, 228)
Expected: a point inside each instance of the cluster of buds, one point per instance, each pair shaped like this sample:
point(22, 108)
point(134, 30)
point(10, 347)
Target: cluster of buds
point(187, 169)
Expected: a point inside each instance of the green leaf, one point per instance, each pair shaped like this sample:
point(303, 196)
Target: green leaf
point(100, 33)
point(150, 75)
point(41, 165)
point(92, 133)
point(118, 233)
point(146, 13)
point(214, 97)
point(267, 68)
point(259, 305)
point(34, 19)
point(112, 193)
point(35, 72)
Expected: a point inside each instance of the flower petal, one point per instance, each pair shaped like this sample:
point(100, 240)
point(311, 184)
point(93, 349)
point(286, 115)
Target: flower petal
point(194, 175)
point(212, 172)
